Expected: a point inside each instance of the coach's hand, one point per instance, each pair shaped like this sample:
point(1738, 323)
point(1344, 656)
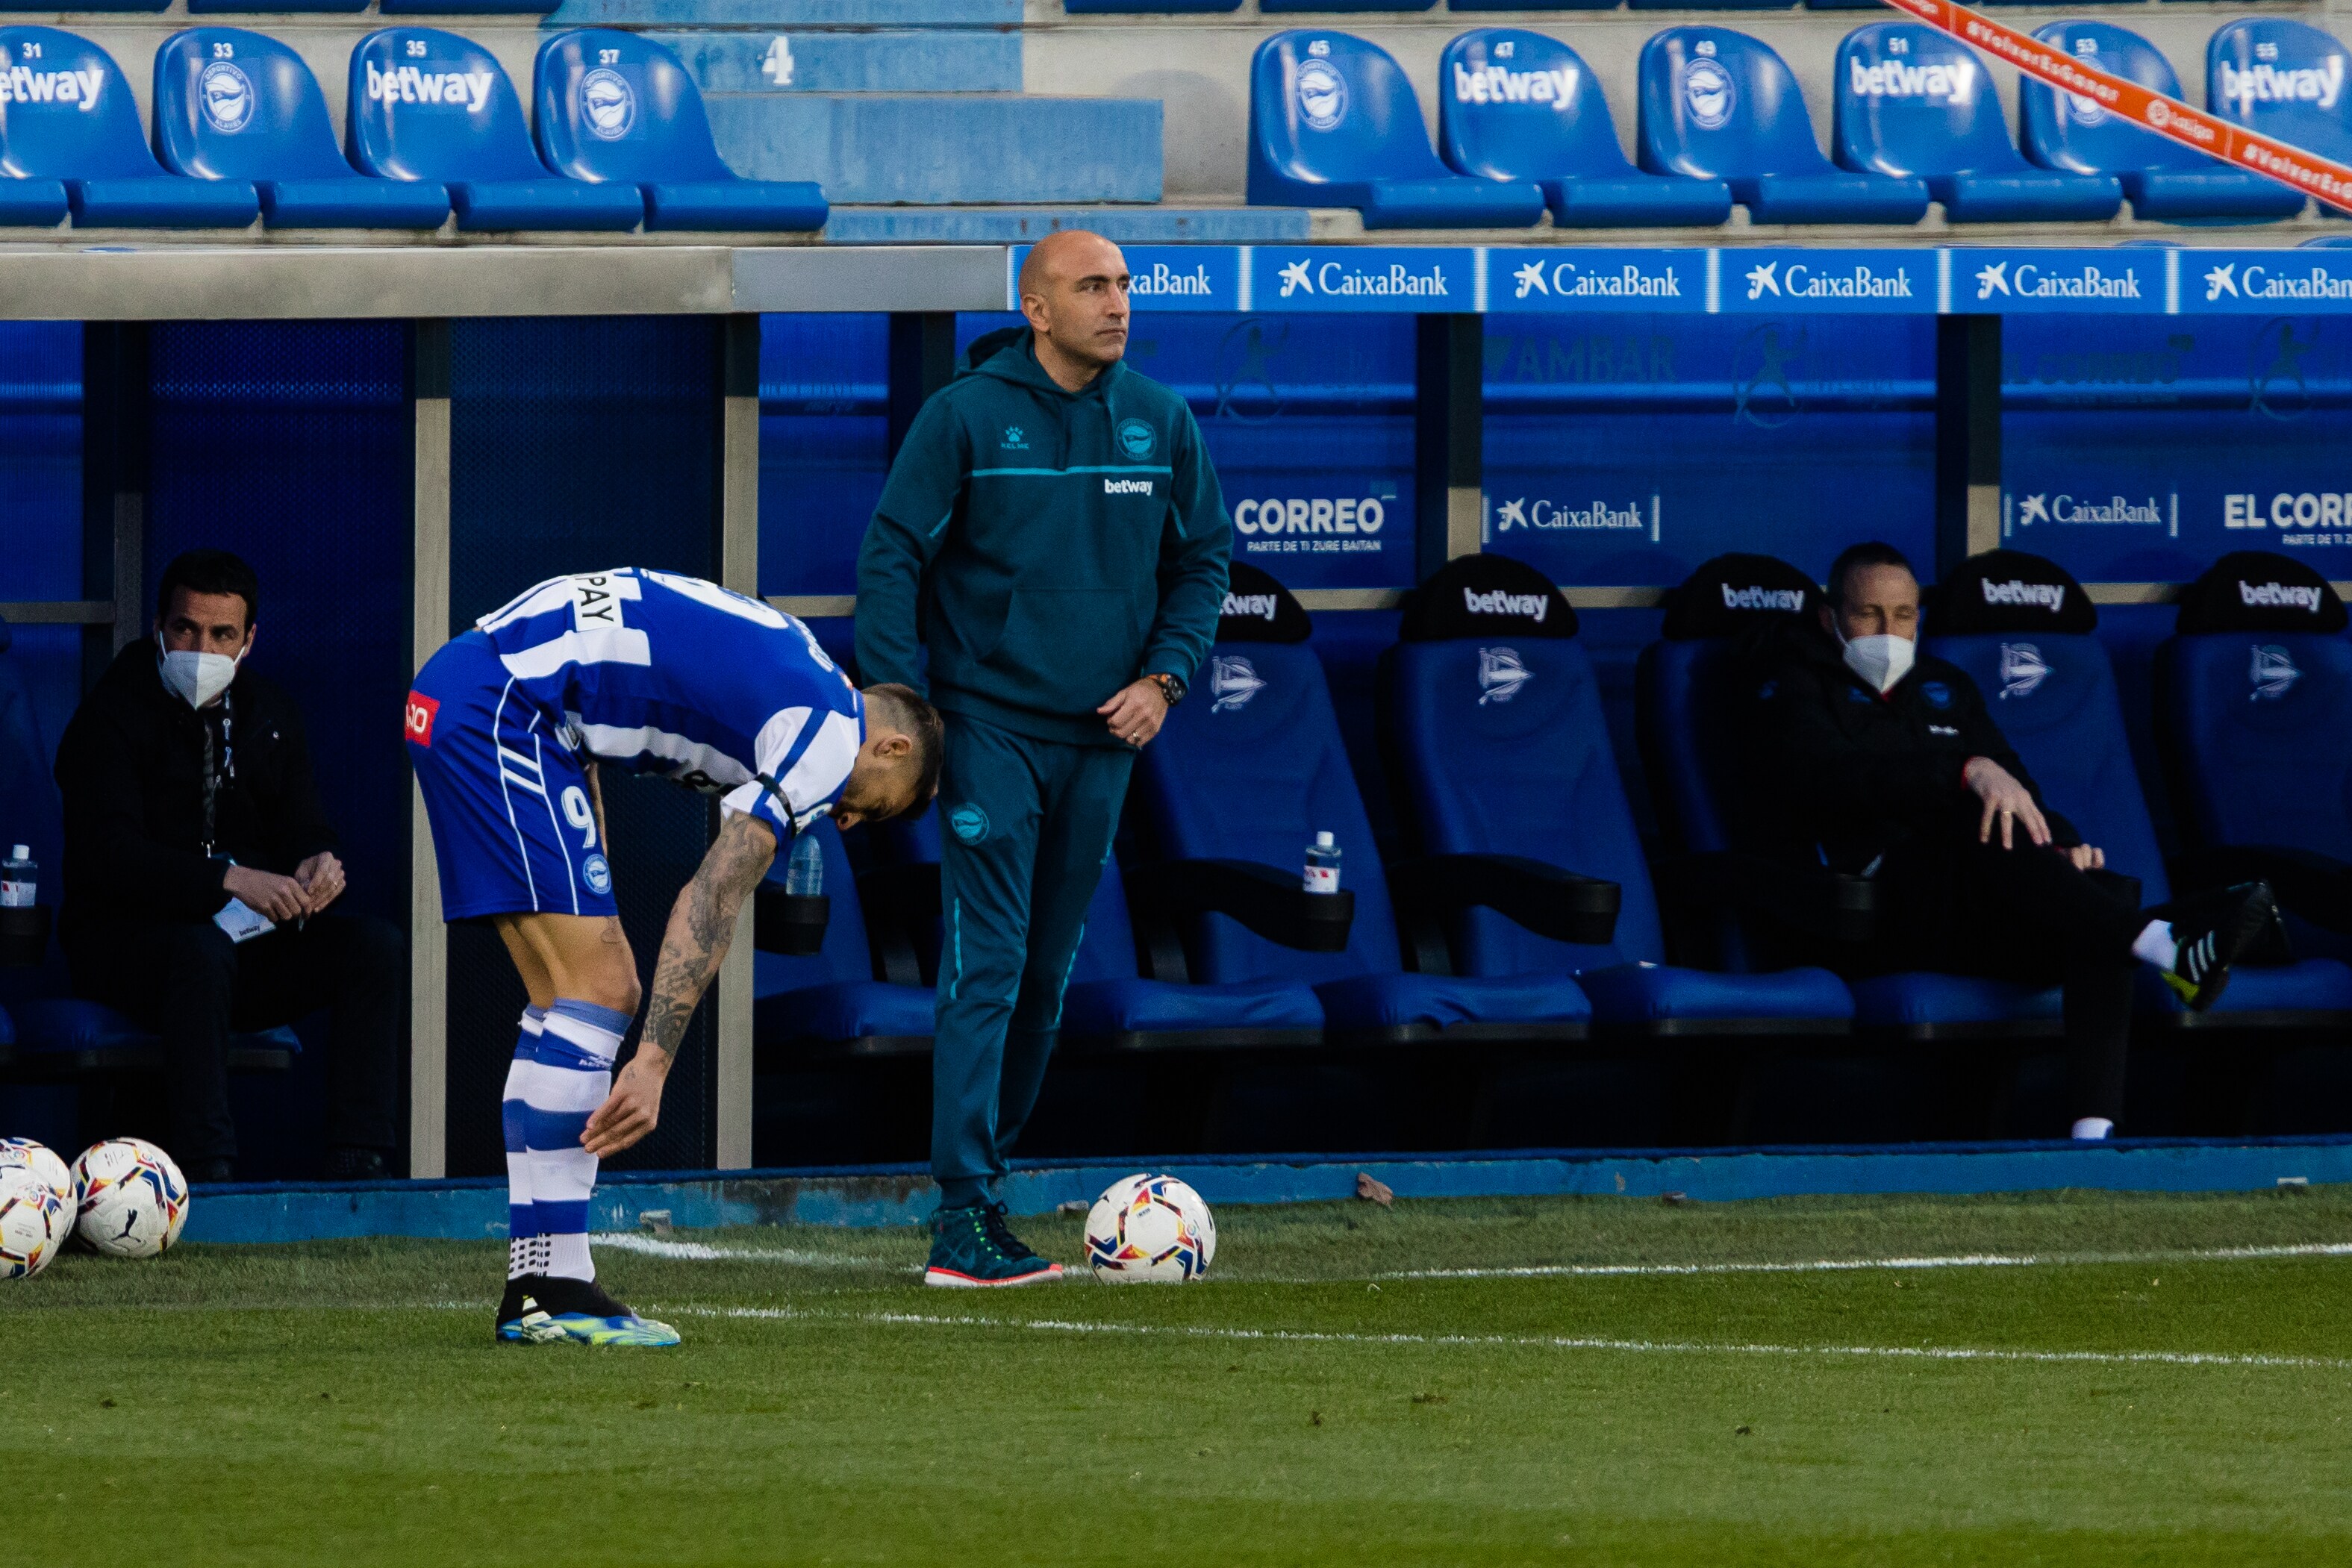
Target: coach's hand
point(631, 1109)
point(1136, 714)
point(2006, 802)
point(321, 877)
point(281, 898)
point(2086, 857)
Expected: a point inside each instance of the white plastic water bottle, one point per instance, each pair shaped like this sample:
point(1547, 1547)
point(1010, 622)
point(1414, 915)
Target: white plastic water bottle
point(1322, 866)
point(18, 875)
point(805, 871)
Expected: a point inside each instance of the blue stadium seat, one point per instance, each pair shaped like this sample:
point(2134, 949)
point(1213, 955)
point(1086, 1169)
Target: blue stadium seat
point(2163, 179)
point(829, 1003)
point(1334, 123)
point(1720, 105)
point(1515, 105)
point(2054, 693)
point(1495, 730)
point(619, 108)
point(83, 146)
point(234, 105)
point(2285, 78)
point(431, 106)
point(1909, 101)
point(1260, 729)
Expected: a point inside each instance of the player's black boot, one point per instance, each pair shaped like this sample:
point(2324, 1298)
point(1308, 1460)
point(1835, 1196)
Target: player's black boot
point(2212, 934)
point(541, 1309)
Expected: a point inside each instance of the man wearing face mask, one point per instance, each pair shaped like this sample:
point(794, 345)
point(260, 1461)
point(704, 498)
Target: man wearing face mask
point(201, 879)
point(1886, 764)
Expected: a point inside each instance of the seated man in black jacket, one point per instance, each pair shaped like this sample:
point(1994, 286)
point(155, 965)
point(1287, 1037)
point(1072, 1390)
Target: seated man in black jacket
point(191, 827)
point(1887, 765)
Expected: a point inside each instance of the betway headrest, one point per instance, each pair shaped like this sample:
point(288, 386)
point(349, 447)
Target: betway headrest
point(1737, 593)
point(2009, 591)
point(1486, 596)
point(1260, 610)
point(2256, 591)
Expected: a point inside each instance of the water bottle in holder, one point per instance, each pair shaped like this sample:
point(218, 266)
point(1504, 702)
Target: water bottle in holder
point(805, 869)
point(1322, 873)
point(19, 877)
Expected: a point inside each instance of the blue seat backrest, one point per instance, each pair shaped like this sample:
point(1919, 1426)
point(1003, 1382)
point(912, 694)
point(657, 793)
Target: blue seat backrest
point(2260, 730)
point(235, 105)
point(620, 106)
point(70, 114)
point(1717, 104)
point(2064, 130)
point(2053, 696)
point(2285, 78)
point(1516, 105)
point(1327, 106)
point(429, 105)
point(1693, 712)
point(846, 955)
point(1252, 767)
point(1910, 100)
point(1505, 751)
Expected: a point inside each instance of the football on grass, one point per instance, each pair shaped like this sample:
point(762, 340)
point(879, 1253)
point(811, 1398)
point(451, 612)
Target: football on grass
point(1150, 1229)
point(42, 1161)
point(130, 1198)
point(35, 1220)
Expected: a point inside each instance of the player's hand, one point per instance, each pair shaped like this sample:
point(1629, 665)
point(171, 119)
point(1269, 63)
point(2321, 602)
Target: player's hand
point(2007, 803)
point(321, 877)
point(1136, 714)
point(631, 1111)
point(281, 898)
point(2086, 857)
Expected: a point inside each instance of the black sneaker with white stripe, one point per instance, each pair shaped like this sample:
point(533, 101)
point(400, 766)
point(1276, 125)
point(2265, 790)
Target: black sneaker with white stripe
point(2218, 937)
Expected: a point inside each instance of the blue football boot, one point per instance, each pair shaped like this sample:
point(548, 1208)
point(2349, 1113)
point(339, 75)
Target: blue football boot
point(546, 1309)
point(974, 1249)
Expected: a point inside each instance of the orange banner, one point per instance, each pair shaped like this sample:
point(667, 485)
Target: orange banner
point(2232, 143)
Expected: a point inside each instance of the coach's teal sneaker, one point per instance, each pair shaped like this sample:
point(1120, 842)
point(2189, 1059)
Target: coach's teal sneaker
point(973, 1248)
point(544, 1309)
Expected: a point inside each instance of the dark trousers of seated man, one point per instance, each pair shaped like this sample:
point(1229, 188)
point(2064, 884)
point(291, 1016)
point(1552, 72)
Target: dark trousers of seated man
point(2024, 914)
point(191, 984)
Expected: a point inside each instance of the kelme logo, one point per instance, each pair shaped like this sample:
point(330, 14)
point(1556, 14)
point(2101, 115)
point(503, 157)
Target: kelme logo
point(969, 823)
point(1136, 437)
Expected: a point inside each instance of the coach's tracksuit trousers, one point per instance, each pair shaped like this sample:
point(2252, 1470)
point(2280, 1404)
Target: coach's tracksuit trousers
point(1025, 826)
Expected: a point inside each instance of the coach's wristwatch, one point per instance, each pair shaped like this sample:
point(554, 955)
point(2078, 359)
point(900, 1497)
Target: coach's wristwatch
point(1172, 689)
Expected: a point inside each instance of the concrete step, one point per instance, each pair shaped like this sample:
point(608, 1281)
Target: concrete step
point(1021, 226)
point(931, 59)
point(949, 147)
point(786, 14)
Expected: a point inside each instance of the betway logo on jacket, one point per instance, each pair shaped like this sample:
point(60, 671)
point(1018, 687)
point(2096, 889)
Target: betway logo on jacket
point(2278, 596)
point(1532, 605)
point(1493, 84)
point(1127, 487)
point(1785, 599)
point(1253, 606)
point(1952, 82)
point(25, 85)
point(468, 90)
point(2322, 85)
point(2050, 596)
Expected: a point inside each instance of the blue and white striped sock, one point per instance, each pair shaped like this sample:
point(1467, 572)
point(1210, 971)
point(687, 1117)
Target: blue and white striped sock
point(571, 1074)
point(526, 1248)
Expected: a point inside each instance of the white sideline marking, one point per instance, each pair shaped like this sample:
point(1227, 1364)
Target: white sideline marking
point(703, 1252)
point(1630, 1347)
point(1851, 1265)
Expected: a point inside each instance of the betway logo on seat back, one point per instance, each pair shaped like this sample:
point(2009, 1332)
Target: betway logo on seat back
point(1952, 82)
point(2278, 595)
point(2050, 596)
point(1493, 84)
point(79, 88)
point(1499, 602)
point(1785, 599)
point(2322, 85)
point(468, 90)
point(1260, 605)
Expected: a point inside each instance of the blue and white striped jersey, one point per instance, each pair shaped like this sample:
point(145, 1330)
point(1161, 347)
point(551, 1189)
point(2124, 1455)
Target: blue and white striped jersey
point(661, 673)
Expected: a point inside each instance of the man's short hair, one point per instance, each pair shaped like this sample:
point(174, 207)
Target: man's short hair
point(209, 571)
point(1857, 558)
point(918, 721)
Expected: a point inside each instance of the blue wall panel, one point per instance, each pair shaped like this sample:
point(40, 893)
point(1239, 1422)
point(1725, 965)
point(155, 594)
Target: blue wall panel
point(40, 508)
point(824, 398)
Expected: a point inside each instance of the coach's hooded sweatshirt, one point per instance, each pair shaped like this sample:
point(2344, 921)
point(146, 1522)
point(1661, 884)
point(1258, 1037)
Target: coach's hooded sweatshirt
point(1050, 547)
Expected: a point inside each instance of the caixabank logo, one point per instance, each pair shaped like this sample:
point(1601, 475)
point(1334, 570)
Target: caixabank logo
point(1362, 277)
point(1650, 279)
point(2039, 280)
point(2087, 508)
point(1865, 282)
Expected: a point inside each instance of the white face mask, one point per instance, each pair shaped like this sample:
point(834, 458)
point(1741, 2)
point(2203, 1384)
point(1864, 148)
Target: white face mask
point(1880, 660)
point(197, 678)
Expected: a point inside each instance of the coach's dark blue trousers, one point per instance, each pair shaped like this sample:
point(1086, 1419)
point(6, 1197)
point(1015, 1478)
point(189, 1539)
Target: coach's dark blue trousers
point(1025, 826)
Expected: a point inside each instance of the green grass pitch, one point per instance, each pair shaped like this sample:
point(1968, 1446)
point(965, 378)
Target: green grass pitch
point(2145, 1380)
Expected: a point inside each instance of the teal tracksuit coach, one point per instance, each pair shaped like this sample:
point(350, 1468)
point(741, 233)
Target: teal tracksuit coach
point(1049, 547)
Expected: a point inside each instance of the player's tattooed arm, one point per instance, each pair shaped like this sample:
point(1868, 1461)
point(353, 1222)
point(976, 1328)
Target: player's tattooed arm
point(702, 926)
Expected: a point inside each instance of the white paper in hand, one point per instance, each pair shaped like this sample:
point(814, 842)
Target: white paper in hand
point(241, 923)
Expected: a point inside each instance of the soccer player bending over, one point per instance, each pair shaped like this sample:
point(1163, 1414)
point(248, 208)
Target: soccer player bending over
point(658, 674)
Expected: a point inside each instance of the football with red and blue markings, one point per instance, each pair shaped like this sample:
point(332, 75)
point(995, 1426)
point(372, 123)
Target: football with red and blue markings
point(1150, 1229)
point(131, 1199)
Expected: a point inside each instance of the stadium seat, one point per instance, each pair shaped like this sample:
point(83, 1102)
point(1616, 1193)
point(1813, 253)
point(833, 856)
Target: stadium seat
point(1720, 105)
point(2163, 179)
point(2053, 691)
point(2285, 80)
point(81, 145)
point(1249, 770)
point(234, 105)
point(1514, 104)
point(430, 106)
point(1334, 123)
point(2255, 720)
point(1493, 725)
point(829, 1004)
point(619, 108)
point(1911, 102)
